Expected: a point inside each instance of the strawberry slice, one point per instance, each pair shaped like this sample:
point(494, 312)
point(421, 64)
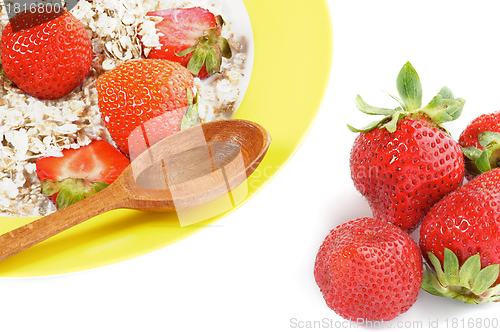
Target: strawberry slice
point(192, 37)
point(80, 172)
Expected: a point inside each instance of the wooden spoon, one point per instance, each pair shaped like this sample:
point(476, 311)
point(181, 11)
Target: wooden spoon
point(180, 172)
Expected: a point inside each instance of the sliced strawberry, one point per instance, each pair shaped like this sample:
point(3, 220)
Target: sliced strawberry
point(80, 172)
point(192, 37)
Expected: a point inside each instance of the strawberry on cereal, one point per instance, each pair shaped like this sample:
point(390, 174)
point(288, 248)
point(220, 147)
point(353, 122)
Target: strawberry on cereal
point(54, 105)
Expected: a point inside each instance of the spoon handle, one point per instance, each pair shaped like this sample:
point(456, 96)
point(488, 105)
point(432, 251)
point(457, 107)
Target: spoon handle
point(41, 229)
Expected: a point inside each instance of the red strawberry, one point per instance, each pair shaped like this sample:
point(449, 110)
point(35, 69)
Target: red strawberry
point(136, 92)
point(460, 237)
point(480, 142)
point(368, 269)
point(47, 60)
point(191, 36)
point(80, 172)
point(405, 163)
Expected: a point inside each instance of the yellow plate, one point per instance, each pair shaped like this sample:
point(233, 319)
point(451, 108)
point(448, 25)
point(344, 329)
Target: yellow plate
point(293, 46)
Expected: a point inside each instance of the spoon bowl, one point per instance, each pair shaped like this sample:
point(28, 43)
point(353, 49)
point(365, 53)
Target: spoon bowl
point(181, 172)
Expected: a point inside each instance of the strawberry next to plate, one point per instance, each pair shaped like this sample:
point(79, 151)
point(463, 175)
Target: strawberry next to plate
point(406, 162)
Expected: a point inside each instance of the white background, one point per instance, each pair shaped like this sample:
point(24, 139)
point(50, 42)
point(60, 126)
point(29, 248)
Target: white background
point(253, 271)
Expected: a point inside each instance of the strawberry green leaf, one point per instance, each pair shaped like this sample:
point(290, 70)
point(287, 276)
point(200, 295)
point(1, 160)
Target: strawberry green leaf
point(208, 50)
point(469, 271)
point(191, 117)
point(485, 279)
point(477, 161)
point(431, 284)
point(403, 106)
point(444, 107)
point(213, 62)
point(70, 191)
point(372, 110)
point(216, 47)
point(197, 60)
point(456, 114)
point(467, 283)
point(66, 197)
point(224, 47)
point(367, 128)
point(437, 267)
point(451, 266)
point(493, 293)
point(392, 125)
point(441, 110)
point(409, 87)
point(483, 162)
point(50, 187)
point(489, 140)
point(220, 21)
point(187, 51)
point(446, 93)
point(428, 286)
point(472, 152)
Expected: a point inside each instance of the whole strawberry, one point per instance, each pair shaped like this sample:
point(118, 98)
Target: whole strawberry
point(47, 60)
point(368, 269)
point(405, 163)
point(136, 92)
point(480, 142)
point(192, 37)
point(459, 237)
